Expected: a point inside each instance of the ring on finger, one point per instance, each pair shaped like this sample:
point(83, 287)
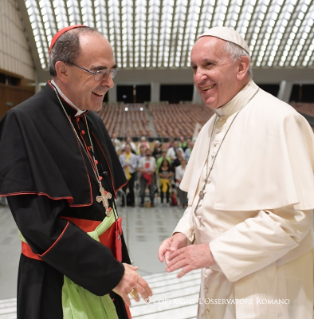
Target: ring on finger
point(134, 293)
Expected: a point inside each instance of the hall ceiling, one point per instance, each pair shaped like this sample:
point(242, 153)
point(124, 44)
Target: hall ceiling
point(160, 34)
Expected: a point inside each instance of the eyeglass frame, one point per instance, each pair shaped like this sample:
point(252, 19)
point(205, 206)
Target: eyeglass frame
point(112, 72)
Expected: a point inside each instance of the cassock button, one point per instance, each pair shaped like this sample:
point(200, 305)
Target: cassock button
point(96, 162)
point(100, 178)
point(77, 119)
point(83, 132)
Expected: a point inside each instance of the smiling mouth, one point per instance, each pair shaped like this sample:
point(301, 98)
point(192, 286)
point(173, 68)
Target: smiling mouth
point(98, 94)
point(208, 87)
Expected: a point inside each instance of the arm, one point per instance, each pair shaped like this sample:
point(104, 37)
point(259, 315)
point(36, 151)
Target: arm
point(133, 162)
point(63, 245)
point(259, 241)
point(249, 246)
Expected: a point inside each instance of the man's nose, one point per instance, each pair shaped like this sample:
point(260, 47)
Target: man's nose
point(199, 76)
point(107, 81)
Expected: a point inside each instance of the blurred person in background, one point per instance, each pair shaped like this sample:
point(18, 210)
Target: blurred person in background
point(188, 151)
point(131, 143)
point(143, 142)
point(179, 173)
point(147, 169)
point(129, 164)
point(157, 150)
point(165, 173)
point(116, 142)
point(182, 143)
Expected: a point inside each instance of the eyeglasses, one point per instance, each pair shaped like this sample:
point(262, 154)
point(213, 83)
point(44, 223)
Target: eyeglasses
point(99, 75)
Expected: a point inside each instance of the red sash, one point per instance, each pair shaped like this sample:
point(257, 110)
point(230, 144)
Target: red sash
point(111, 238)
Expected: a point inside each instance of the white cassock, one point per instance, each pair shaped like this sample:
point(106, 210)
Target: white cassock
point(257, 211)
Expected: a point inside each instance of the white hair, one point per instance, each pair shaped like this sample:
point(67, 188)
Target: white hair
point(235, 52)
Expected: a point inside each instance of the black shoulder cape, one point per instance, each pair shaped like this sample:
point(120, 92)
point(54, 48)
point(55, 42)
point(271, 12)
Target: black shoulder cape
point(40, 153)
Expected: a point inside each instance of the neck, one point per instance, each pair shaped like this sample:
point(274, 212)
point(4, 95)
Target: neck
point(60, 88)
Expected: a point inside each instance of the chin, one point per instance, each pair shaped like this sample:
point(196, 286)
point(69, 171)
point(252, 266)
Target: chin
point(95, 108)
point(211, 106)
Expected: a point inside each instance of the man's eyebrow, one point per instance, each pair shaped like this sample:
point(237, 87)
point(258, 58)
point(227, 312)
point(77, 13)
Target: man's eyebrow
point(207, 60)
point(102, 67)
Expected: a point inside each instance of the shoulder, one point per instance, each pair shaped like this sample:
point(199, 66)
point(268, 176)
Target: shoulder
point(272, 106)
point(267, 110)
point(32, 106)
point(94, 117)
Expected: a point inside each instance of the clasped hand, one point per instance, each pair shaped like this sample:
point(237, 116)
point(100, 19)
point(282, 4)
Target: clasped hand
point(178, 255)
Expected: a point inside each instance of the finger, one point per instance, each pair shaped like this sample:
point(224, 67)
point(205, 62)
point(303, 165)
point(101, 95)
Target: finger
point(144, 288)
point(163, 248)
point(177, 253)
point(175, 265)
point(172, 255)
point(130, 266)
point(167, 257)
point(135, 295)
point(184, 271)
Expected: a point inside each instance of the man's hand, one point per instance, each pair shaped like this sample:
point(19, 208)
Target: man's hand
point(132, 280)
point(171, 244)
point(190, 258)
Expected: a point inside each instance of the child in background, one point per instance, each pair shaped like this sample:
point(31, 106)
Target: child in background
point(179, 175)
point(165, 174)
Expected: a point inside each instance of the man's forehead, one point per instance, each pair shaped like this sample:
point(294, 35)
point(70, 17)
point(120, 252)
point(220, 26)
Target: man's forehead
point(207, 41)
point(208, 47)
point(96, 50)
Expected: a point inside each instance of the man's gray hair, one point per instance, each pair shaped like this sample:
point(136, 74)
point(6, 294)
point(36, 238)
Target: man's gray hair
point(235, 52)
point(67, 48)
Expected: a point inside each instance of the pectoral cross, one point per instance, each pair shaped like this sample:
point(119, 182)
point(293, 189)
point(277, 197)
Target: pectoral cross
point(104, 199)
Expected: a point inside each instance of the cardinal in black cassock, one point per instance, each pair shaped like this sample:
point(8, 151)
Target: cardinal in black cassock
point(49, 179)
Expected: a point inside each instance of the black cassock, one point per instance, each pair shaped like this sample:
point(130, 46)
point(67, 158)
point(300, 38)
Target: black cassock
point(45, 174)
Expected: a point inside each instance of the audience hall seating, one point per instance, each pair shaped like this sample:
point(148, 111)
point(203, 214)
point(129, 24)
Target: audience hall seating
point(176, 120)
point(125, 119)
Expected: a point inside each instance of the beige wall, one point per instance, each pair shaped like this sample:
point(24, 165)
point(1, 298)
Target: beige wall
point(14, 51)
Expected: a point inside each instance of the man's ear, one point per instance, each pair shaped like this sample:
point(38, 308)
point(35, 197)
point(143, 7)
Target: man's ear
point(243, 66)
point(62, 70)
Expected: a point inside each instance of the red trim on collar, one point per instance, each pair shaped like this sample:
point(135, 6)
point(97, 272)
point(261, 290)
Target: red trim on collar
point(60, 32)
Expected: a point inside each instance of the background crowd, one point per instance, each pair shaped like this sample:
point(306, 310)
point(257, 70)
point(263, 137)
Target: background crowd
point(153, 170)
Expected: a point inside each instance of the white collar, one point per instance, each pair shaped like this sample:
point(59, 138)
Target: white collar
point(237, 102)
point(79, 111)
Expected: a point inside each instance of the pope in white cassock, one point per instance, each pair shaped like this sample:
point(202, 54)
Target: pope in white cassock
point(250, 184)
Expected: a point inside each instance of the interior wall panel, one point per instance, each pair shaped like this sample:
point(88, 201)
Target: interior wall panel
point(14, 50)
point(12, 96)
